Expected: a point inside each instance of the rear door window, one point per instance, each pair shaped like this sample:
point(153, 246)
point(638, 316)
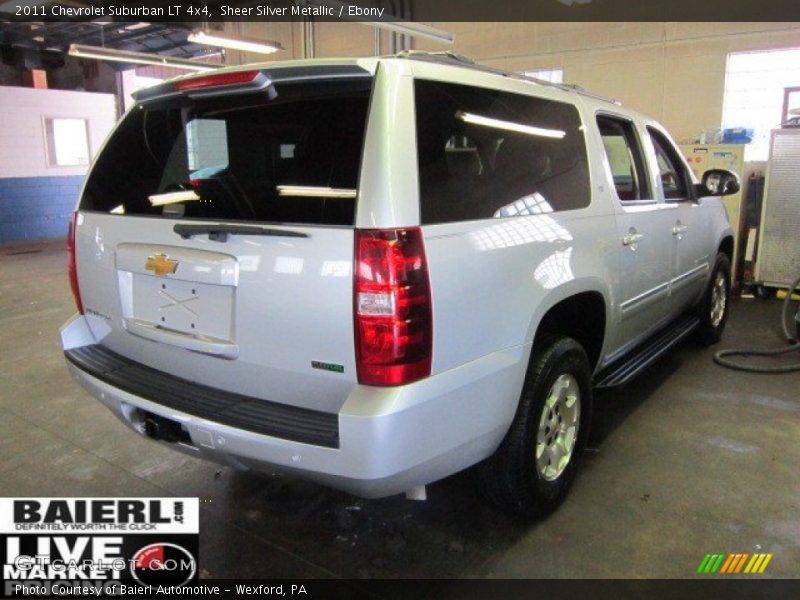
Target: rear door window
point(624, 154)
point(290, 157)
point(484, 154)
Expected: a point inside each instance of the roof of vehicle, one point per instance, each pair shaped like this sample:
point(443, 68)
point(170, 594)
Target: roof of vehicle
point(446, 59)
point(459, 60)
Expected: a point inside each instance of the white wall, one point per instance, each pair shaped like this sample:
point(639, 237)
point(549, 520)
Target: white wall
point(672, 71)
point(36, 199)
point(23, 151)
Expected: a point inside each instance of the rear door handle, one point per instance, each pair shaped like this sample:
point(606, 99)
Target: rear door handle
point(631, 239)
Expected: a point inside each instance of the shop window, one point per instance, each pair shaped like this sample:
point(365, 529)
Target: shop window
point(67, 142)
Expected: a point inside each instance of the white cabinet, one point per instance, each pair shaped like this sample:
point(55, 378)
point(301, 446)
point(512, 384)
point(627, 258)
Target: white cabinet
point(778, 258)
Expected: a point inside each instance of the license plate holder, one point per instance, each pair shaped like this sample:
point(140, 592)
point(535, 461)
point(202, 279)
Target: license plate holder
point(188, 307)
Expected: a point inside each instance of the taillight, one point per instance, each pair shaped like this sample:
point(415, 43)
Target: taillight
point(394, 336)
point(72, 268)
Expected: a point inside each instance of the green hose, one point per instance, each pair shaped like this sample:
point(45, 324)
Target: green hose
point(791, 336)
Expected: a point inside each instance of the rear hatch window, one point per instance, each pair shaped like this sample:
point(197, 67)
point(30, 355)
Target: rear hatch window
point(287, 155)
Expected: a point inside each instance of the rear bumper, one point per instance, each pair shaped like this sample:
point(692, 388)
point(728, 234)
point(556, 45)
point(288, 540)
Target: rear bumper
point(389, 439)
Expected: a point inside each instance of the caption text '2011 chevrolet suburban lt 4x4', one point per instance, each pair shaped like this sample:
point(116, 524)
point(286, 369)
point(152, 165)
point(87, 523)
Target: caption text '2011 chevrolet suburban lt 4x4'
point(374, 273)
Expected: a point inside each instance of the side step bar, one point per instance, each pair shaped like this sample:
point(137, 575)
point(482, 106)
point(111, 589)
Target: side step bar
point(632, 364)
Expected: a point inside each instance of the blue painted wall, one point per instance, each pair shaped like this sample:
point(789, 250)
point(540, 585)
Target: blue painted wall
point(33, 208)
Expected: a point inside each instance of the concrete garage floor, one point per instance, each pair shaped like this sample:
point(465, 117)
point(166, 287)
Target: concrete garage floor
point(689, 459)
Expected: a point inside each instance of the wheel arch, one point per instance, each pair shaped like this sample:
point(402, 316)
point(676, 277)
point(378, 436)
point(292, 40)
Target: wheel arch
point(726, 247)
point(580, 312)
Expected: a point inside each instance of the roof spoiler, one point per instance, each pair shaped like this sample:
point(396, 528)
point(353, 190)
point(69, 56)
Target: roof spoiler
point(205, 85)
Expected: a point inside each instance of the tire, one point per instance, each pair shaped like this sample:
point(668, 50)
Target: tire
point(712, 323)
point(513, 479)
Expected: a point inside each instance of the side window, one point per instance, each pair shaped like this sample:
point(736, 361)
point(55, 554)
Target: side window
point(625, 158)
point(674, 178)
point(483, 153)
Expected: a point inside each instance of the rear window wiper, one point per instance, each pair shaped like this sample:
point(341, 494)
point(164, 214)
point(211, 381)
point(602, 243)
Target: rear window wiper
point(219, 232)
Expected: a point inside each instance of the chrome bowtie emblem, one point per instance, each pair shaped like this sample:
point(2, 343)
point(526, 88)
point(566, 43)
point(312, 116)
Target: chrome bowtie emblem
point(161, 264)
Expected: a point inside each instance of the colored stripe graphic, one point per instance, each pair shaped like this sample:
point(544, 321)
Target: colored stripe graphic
point(717, 563)
point(727, 564)
point(703, 563)
point(735, 563)
point(740, 564)
point(753, 561)
point(764, 564)
point(732, 564)
point(710, 563)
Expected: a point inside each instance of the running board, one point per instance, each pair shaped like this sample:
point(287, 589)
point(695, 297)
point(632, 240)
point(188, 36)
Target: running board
point(632, 364)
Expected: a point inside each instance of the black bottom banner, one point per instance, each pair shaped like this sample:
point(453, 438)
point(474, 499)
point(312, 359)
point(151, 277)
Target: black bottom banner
point(408, 589)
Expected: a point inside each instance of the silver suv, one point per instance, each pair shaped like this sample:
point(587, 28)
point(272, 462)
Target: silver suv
point(374, 273)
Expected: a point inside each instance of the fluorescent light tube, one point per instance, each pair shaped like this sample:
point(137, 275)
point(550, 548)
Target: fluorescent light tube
point(415, 30)
point(173, 198)
point(140, 58)
point(510, 126)
point(224, 40)
point(308, 191)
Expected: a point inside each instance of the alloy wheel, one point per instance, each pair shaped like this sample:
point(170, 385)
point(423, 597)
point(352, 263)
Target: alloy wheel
point(558, 427)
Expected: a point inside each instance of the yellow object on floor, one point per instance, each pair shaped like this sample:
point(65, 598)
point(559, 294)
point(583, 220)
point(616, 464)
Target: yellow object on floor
point(782, 295)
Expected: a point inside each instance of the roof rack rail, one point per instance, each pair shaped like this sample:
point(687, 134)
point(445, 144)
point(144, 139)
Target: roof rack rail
point(449, 57)
point(444, 55)
point(583, 92)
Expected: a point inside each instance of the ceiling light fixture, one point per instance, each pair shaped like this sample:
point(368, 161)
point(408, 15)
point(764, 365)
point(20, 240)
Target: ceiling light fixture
point(232, 42)
point(415, 30)
point(139, 58)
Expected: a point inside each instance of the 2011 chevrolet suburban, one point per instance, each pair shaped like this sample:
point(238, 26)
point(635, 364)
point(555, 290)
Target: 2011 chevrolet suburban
point(374, 273)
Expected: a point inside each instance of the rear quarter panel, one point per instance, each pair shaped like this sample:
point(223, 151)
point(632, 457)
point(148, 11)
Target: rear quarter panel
point(492, 280)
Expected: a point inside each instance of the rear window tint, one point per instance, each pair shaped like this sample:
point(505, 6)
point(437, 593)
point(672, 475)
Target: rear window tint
point(484, 153)
point(290, 158)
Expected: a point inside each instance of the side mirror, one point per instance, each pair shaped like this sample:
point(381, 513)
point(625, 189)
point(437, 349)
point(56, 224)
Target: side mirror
point(719, 182)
